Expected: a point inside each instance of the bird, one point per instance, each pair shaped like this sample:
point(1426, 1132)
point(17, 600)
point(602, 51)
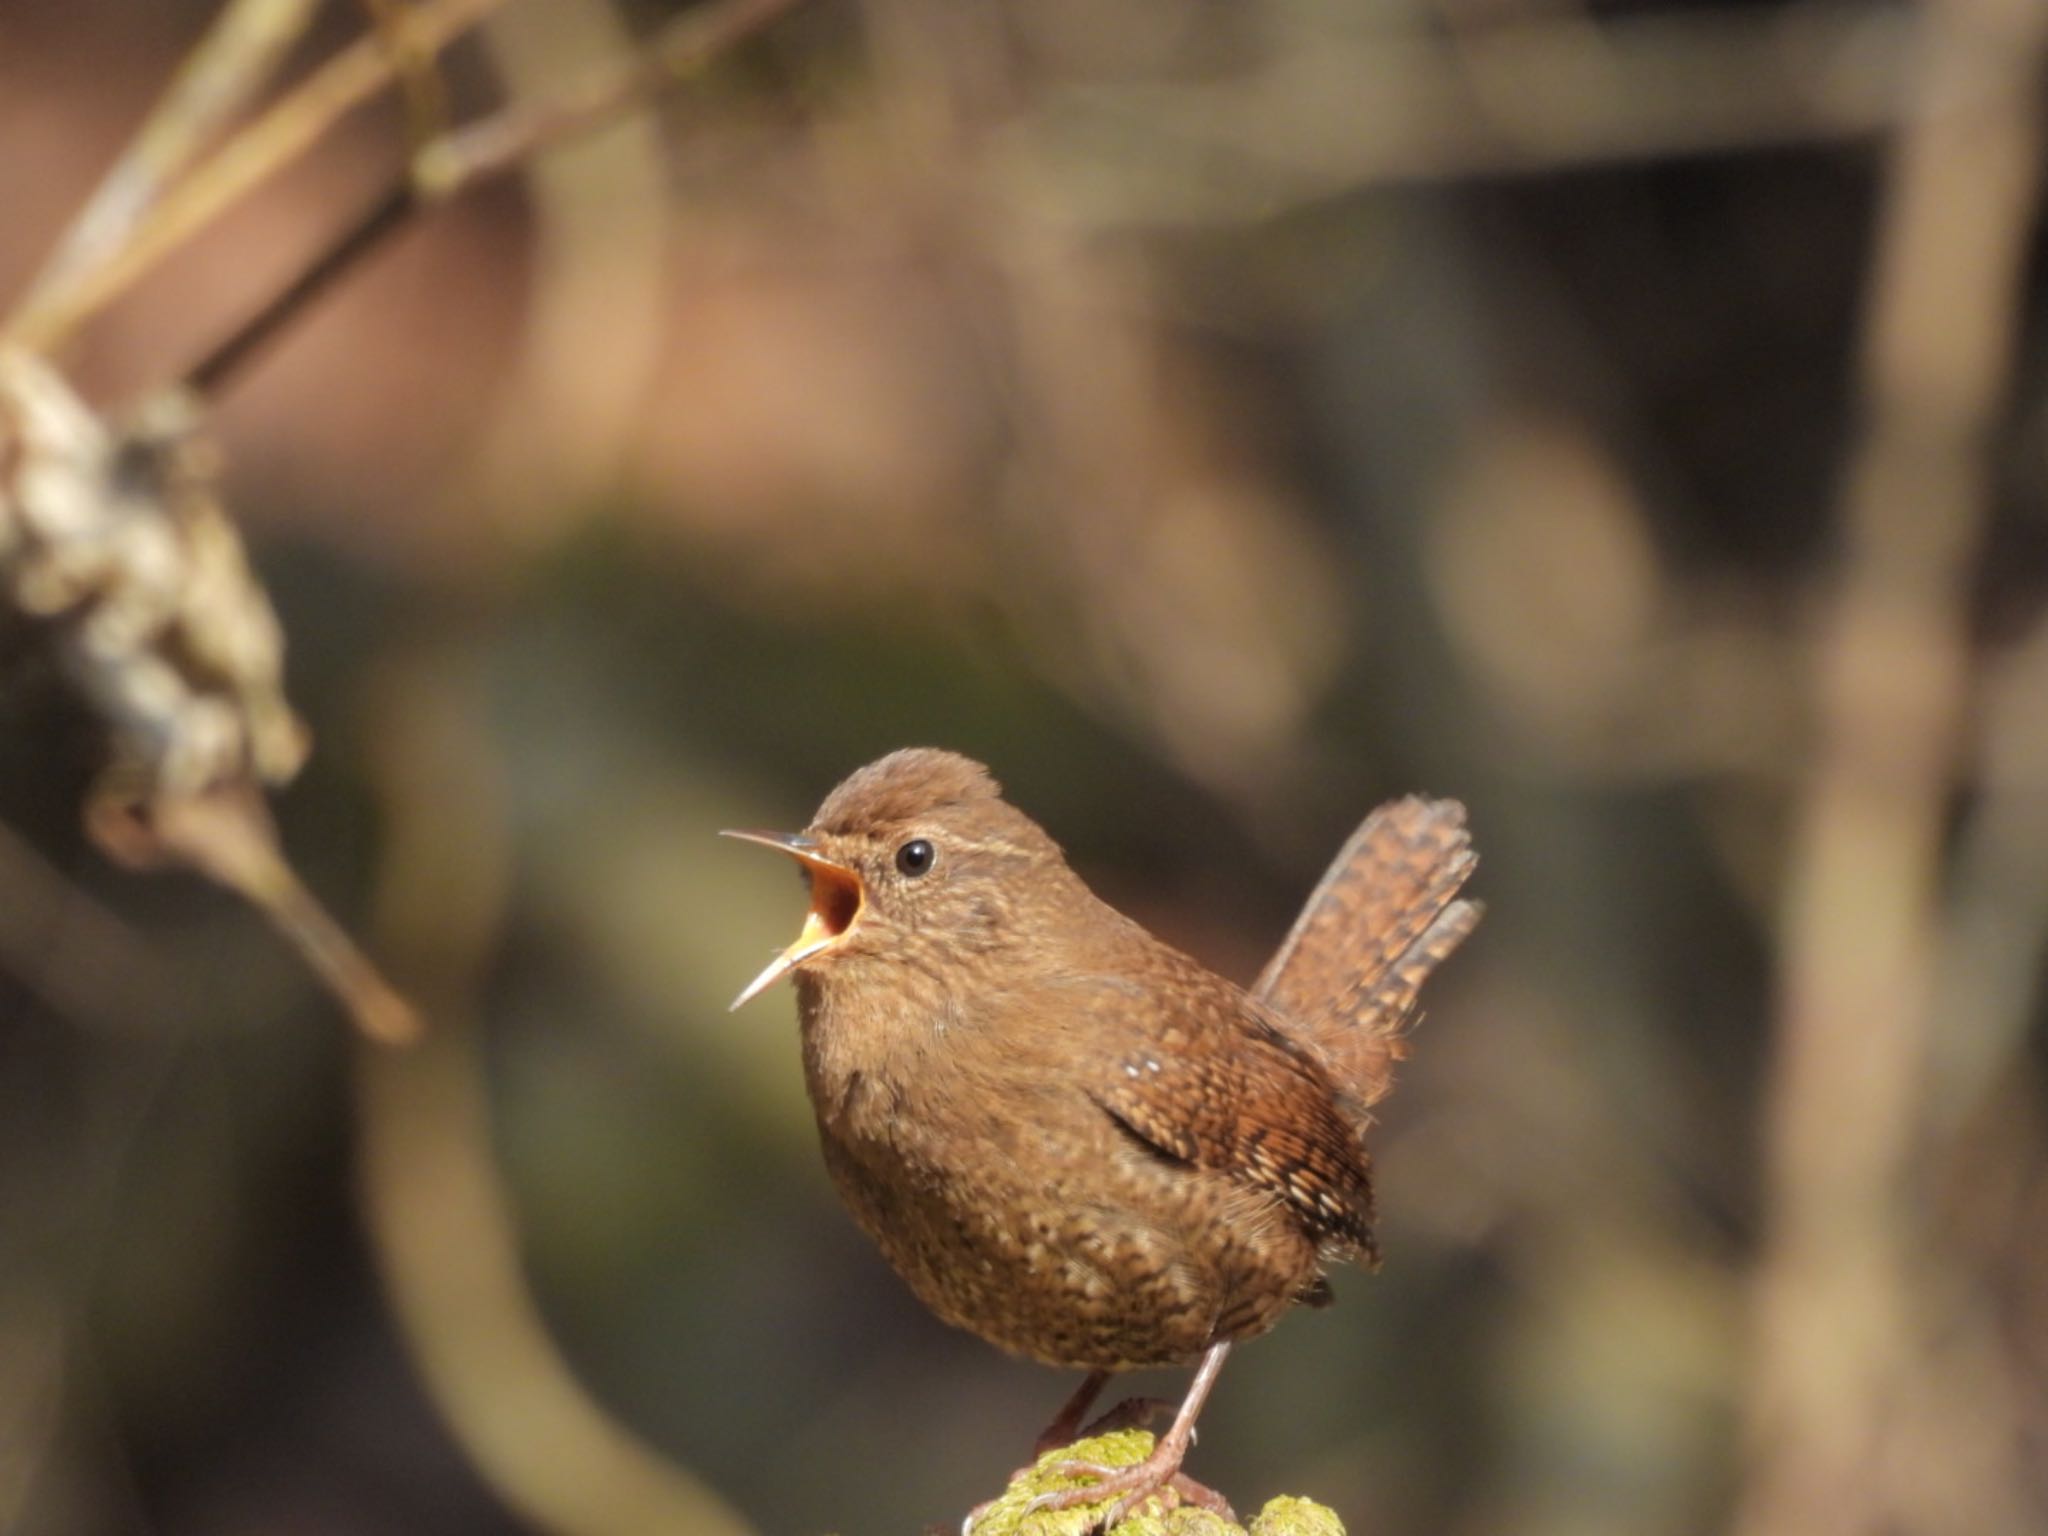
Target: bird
point(1071, 1138)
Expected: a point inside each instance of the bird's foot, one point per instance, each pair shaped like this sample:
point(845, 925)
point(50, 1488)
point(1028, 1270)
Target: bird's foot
point(1128, 1487)
point(1131, 1413)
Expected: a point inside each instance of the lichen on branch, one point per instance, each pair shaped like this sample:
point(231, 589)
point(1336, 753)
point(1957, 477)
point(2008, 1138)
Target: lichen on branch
point(1008, 1515)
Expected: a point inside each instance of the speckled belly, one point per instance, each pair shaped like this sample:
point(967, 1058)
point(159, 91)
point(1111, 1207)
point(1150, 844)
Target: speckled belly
point(1061, 1273)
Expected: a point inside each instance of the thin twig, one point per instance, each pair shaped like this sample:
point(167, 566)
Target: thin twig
point(504, 142)
point(420, 82)
point(496, 146)
point(219, 77)
point(259, 151)
point(387, 215)
point(227, 835)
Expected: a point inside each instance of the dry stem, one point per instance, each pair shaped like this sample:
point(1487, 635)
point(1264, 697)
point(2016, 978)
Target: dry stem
point(267, 145)
point(1837, 1333)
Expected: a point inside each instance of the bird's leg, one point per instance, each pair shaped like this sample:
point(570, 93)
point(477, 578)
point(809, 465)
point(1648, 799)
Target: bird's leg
point(1130, 1486)
point(1066, 1423)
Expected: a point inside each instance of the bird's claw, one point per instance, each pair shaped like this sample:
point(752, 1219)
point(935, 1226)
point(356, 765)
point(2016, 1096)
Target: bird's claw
point(1133, 1486)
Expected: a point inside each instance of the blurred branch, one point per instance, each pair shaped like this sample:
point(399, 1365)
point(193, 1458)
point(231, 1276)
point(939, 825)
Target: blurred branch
point(420, 84)
point(120, 537)
point(116, 542)
point(266, 146)
point(1990, 970)
point(504, 142)
point(115, 536)
point(599, 264)
point(1335, 111)
point(389, 214)
point(225, 833)
point(467, 157)
point(1836, 1348)
point(219, 76)
point(438, 1218)
point(449, 1255)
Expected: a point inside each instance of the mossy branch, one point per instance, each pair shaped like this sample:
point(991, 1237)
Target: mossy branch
point(1008, 1515)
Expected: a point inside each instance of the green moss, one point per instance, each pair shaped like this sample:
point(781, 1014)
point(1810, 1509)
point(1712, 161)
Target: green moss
point(1124, 1448)
point(1289, 1516)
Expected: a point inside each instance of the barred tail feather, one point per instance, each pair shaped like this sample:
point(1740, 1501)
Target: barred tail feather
point(1385, 915)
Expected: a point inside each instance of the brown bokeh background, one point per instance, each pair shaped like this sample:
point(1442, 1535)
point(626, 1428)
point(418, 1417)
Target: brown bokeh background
point(1630, 419)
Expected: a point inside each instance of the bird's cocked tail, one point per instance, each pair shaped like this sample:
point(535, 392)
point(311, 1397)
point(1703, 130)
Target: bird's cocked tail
point(1386, 913)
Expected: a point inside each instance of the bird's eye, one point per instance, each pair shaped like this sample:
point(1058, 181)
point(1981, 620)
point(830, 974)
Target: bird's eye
point(915, 857)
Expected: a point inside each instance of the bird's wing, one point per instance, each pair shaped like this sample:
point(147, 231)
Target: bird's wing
point(1384, 916)
point(1219, 1086)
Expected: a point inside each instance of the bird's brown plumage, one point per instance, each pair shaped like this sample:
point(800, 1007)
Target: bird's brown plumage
point(1384, 915)
point(1069, 1137)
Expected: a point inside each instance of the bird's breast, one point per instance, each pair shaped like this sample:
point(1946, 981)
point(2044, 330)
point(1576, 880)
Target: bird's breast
point(1015, 1208)
point(864, 1054)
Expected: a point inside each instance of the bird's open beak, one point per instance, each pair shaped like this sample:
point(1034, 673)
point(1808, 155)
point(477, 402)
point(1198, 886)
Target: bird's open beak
point(836, 898)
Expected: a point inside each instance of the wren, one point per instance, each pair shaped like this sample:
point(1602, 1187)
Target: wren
point(1069, 1137)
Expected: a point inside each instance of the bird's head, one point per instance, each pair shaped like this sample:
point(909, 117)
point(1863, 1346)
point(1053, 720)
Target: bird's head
point(916, 855)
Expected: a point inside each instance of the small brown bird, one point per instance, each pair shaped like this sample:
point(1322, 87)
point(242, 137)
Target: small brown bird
point(1067, 1136)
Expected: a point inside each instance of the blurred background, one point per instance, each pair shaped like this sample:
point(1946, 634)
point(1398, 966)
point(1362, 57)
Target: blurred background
point(1629, 418)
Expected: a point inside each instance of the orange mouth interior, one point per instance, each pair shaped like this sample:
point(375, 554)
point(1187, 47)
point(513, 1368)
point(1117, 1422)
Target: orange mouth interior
point(835, 900)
